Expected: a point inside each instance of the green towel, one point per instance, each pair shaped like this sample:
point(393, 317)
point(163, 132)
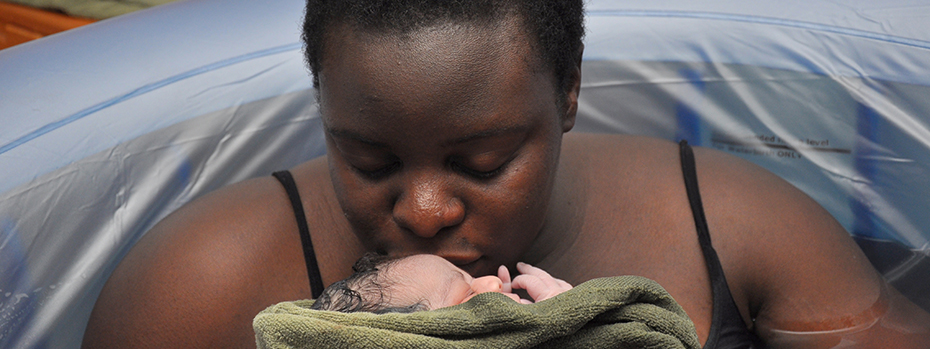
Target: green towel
point(615, 312)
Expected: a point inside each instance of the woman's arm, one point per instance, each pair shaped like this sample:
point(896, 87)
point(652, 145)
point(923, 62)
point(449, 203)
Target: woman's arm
point(197, 279)
point(807, 283)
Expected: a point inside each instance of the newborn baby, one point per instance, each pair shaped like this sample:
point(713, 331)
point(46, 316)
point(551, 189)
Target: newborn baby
point(423, 282)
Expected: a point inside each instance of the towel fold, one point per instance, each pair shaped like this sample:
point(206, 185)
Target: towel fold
point(614, 312)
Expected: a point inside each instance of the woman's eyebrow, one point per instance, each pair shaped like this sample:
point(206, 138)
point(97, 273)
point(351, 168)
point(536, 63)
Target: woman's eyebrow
point(346, 134)
point(508, 130)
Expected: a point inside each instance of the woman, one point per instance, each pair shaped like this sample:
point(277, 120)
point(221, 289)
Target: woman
point(444, 126)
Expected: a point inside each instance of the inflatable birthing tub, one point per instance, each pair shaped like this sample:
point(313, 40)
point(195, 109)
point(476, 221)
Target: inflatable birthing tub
point(106, 129)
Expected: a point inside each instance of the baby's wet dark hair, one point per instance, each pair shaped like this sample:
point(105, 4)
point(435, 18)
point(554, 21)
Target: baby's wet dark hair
point(556, 25)
point(364, 290)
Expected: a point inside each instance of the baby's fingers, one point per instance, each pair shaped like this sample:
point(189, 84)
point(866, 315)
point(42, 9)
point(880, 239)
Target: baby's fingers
point(537, 288)
point(550, 281)
point(504, 275)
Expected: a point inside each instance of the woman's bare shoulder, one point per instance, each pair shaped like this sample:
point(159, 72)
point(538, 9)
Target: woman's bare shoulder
point(197, 278)
point(728, 184)
point(621, 162)
point(783, 252)
point(581, 141)
point(599, 147)
point(780, 250)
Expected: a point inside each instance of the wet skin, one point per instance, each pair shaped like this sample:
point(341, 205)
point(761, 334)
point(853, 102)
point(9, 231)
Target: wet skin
point(449, 141)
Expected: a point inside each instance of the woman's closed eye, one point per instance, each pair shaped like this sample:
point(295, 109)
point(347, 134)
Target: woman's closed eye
point(373, 167)
point(377, 171)
point(458, 167)
point(483, 166)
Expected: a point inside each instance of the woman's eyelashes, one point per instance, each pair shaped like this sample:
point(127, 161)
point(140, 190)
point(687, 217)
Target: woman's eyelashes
point(383, 169)
point(387, 170)
point(379, 172)
point(458, 167)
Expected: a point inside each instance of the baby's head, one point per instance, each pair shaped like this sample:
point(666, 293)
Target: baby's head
point(381, 284)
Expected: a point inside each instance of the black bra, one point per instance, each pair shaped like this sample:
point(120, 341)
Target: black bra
point(313, 270)
point(727, 329)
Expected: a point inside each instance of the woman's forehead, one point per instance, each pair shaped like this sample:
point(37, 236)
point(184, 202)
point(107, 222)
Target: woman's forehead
point(508, 29)
point(449, 55)
point(447, 77)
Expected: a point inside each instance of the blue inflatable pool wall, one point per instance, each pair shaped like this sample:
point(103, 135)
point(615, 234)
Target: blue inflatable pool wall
point(108, 128)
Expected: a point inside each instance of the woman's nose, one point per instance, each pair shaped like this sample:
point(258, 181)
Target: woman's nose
point(488, 283)
point(427, 207)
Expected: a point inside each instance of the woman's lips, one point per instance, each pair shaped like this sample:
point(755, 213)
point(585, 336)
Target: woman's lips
point(471, 265)
point(461, 261)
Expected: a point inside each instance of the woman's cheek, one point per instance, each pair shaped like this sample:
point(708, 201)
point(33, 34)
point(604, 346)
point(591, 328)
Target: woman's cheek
point(528, 191)
point(358, 200)
point(514, 212)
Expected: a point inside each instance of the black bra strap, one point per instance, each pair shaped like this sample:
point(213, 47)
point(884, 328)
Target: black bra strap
point(313, 270)
point(727, 329)
point(714, 269)
point(689, 170)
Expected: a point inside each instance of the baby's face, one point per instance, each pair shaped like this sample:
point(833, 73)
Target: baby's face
point(435, 280)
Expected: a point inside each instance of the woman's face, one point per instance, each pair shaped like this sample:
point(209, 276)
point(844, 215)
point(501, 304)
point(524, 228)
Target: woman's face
point(442, 141)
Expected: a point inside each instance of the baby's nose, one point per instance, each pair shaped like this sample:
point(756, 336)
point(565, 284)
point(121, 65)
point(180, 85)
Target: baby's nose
point(488, 283)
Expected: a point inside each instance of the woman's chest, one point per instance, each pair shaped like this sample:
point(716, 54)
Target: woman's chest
point(665, 250)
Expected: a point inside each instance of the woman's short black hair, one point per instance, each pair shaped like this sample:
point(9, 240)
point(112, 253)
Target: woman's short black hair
point(556, 25)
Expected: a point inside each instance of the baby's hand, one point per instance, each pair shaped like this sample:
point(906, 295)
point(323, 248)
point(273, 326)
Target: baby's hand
point(506, 288)
point(537, 283)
